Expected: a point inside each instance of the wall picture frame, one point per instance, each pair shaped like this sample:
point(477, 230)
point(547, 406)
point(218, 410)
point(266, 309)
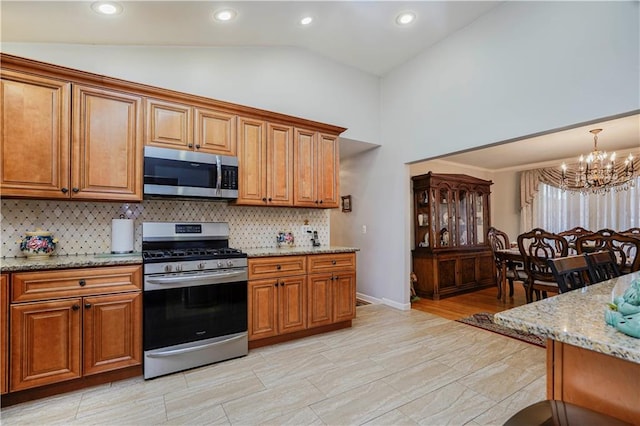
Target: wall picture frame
point(346, 203)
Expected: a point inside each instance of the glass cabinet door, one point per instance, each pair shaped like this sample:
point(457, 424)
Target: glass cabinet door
point(479, 211)
point(444, 217)
point(422, 219)
point(463, 219)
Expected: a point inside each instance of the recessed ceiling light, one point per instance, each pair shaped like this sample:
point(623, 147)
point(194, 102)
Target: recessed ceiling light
point(224, 15)
point(405, 18)
point(306, 20)
point(107, 7)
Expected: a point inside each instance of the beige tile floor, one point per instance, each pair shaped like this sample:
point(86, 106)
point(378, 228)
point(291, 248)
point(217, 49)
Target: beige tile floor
point(391, 368)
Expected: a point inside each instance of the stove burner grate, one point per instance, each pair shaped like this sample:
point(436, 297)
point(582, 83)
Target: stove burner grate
point(189, 253)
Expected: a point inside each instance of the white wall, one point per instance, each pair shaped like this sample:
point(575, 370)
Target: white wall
point(286, 80)
point(525, 67)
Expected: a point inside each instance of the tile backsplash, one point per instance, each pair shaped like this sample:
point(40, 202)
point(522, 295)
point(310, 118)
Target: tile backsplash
point(85, 227)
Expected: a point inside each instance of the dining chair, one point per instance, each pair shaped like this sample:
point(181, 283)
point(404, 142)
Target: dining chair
point(570, 272)
point(499, 240)
point(536, 248)
point(625, 248)
point(602, 265)
point(572, 235)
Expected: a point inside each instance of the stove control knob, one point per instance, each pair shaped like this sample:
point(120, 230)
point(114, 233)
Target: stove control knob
point(229, 263)
point(167, 268)
point(178, 268)
point(220, 264)
point(201, 265)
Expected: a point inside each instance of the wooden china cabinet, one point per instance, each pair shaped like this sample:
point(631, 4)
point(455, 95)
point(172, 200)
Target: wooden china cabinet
point(450, 218)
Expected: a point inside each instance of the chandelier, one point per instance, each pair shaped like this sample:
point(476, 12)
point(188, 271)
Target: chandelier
point(598, 172)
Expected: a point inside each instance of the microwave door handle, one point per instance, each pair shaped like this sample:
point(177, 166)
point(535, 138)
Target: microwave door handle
point(218, 175)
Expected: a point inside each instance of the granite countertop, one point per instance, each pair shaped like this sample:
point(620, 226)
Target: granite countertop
point(297, 251)
point(17, 264)
point(577, 318)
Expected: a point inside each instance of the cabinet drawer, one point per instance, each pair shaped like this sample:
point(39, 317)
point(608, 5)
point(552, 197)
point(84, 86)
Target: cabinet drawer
point(331, 262)
point(270, 267)
point(42, 285)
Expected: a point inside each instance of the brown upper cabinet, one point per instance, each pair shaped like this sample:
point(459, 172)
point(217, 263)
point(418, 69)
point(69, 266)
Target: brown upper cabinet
point(62, 140)
point(180, 126)
point(316, 169)
point(265, 162)
point(72, 134)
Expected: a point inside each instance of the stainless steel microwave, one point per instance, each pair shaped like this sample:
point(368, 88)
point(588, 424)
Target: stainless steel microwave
point(177, 173)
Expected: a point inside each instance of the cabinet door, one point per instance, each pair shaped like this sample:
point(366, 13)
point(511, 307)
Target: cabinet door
point(215, 132)
point(327, 170)
point(45, 343)
point(320, 296)
point(4, 323)
point(279, 165)
point(106, 157)
point(112, 332)
point(293, 304)
point(251, 162)
point(305, 186)
point(344, 296)
point(263, 309)
point(169, 125)
point(35, 136)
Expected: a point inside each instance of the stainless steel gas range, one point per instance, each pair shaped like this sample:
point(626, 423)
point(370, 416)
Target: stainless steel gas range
point(194, 296)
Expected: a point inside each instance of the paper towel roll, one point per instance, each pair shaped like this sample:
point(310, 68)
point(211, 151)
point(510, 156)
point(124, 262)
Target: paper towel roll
point(121, 235)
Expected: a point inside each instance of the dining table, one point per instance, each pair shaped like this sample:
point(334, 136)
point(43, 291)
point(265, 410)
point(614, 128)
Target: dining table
point(503, 258)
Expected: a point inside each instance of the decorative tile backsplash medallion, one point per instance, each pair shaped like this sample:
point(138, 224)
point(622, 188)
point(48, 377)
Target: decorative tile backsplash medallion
point(85, 228)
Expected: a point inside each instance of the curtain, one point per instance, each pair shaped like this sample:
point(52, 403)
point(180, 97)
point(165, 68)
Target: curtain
point(550, 208)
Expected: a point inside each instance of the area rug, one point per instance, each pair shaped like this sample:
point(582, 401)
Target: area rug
point(484, 320)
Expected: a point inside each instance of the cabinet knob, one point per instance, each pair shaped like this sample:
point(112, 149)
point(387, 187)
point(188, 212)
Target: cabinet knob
point(64, 190)
point(277, 283)
point(333, 262)
point(317, 201)
point(197, 146)
point(75, 307)
point(269, 199)
point(76, 190)
point(82, 283)
point(278, 267)
point(320, 201)
point(190, 145)
point(264, 199)
point(87, 305)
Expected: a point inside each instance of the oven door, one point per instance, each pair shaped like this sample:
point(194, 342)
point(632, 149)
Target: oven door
point(187, 314)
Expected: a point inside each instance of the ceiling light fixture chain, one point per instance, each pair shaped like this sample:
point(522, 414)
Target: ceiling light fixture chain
point(598, 172)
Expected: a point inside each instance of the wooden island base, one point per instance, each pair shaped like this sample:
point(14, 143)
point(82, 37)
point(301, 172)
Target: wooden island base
point(593, 380)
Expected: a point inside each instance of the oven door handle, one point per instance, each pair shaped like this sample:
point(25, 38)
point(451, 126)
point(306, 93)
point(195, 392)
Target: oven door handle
point(173, 352)
point(197, 279)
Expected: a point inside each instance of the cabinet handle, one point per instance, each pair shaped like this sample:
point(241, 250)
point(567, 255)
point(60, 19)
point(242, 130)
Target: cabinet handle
point(278, 267)
point(197, 146)
point(190, 145)
point(75, 307)
point(87, 305)
point(76, 190)
point(64, 190)
point(82, 283)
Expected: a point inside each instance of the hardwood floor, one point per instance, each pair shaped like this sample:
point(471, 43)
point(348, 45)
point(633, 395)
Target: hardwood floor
point(465, 305)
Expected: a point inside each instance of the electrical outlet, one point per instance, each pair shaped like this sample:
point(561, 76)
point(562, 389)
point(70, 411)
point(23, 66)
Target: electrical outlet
point(305, 229)
point(364, 229)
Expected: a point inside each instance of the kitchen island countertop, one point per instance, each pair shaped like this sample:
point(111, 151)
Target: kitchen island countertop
point(577, 318)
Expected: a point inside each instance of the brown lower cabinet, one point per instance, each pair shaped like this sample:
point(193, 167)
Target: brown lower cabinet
point(55, 339)
point(289, 294)
point(4, 332)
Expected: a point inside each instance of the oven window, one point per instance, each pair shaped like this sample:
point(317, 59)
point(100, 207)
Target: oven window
point(182, 315)
point(160, 171)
